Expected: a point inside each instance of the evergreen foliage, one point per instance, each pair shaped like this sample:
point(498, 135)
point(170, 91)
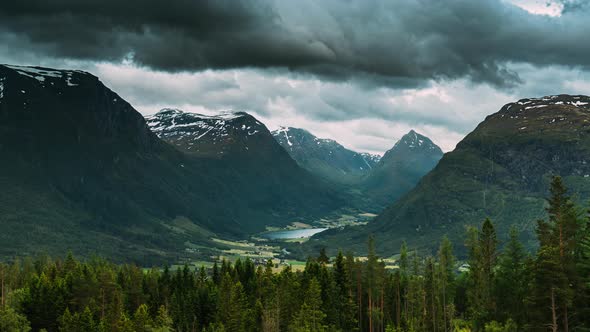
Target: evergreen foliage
point(495, 290)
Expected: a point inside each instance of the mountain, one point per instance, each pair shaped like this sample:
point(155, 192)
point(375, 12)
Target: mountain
point(501, 170)
point(82, 170)
point(266, 181)
point(372, 182)
point(400, 168)
point(324, 157)
point(213, 136)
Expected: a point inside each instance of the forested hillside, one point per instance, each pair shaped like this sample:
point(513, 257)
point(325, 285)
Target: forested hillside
point(499, 288)
point(501, 170)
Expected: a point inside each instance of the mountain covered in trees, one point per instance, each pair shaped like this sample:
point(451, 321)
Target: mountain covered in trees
point(498, 288)
point(325, 157)
point(500, 170)
point(81, 169)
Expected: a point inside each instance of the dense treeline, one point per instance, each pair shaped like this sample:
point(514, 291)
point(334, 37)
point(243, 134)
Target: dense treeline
point(495, 290)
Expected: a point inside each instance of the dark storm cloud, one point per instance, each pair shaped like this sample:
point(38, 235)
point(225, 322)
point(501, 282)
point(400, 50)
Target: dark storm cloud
point(394, 43)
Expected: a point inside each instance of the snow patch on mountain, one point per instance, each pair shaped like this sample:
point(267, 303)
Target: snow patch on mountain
point(191, 129)
point(2, 79)
point(44, 75)
point(536, 103)
point(283, 131)
point(414, 140)
point(371, 158)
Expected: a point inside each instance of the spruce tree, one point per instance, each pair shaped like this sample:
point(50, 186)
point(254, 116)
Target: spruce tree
point(310, 317)
point(446, 272)
point(557, 236)
point(512, 281)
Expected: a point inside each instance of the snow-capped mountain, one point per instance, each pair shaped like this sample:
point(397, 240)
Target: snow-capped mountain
point(212, 135)
point(81, 169)
point(371, 158)
point(411, 142)
point(324, 157)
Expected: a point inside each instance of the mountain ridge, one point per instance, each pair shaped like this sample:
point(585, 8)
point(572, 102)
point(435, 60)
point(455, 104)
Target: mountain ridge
point(500, 170)
point(324, 157)
point(87, 173)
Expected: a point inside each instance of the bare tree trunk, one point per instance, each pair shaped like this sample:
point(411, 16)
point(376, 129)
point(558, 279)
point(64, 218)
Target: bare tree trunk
point(561, 245)
point(2, 271)
point(398, 306)
point(424, 309)
point(434, 323)
point(444, 283)
point(553, 311)
point(382, 311)
point(565, 318)
point(360, 299)
point(370, 311)
point(102, 305)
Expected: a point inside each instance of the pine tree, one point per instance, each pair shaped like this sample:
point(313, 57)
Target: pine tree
point(323, 257)
point(12, 321)
point(142, 320)
point(447, 278)
point(310, 317)
point(431, 286)
point(582, 295)
point(238, 315)
point(558, 237)
point(512, 281)
point(374, 286)
point(488, 250)
point(344, 302)
point(163, 321)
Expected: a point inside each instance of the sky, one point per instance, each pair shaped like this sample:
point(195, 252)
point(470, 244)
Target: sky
point(362, 72)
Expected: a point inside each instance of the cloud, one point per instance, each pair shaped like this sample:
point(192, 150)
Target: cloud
point(404, 43)
point(361, 72)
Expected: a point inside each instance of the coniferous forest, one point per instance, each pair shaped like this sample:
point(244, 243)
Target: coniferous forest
point(498, 287)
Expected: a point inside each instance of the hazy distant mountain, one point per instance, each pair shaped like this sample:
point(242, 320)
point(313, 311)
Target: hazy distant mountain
point(400, 168)
point(374, 181)
point(81, 169)
point(324, 157)
point(500, 170)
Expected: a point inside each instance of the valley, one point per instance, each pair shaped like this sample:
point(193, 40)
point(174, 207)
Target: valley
point(295, 166)
point(280, 244)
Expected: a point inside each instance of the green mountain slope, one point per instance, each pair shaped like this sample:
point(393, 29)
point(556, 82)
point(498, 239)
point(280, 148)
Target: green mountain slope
point(81, 169)
point(501, 170)
point(400, 168)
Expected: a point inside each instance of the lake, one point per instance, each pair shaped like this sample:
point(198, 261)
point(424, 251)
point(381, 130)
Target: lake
point(293, 234)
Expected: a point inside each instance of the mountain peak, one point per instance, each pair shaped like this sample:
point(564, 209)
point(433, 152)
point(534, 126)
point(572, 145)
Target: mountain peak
point(546, 101)
point(414, 140)
point(175, 112)
point(323, 156)
point(46, 75)
point(206, 134)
